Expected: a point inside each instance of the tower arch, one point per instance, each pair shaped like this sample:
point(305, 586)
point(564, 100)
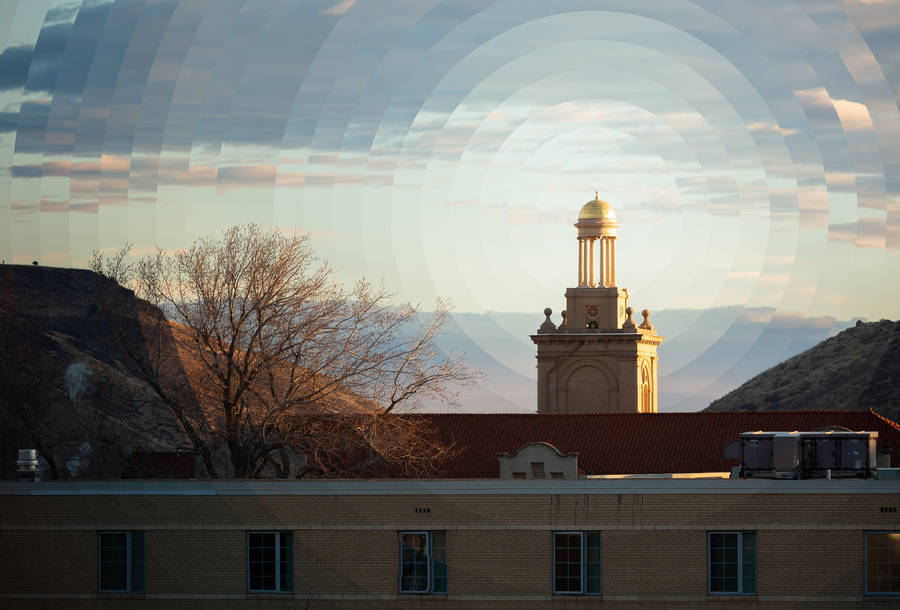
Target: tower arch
point(589, 383)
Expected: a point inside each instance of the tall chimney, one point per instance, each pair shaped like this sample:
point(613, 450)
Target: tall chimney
point(27, 466)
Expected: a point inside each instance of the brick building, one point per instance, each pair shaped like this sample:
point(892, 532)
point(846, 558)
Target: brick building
point(489, 543)
point(645, 513)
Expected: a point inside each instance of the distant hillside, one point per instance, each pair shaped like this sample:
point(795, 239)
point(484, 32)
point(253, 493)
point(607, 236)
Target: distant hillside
point(857, 369)
point(64, 385)
point(79, 359)
point(706, 353)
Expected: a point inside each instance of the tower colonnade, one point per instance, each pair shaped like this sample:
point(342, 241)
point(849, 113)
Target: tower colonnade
point(596, 245)
point(605, 257)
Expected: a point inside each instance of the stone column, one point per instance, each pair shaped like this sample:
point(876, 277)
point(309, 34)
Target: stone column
point(606, 268)
point(612, 261)
point(580, 262)
point(591, 271)
point(602, 261)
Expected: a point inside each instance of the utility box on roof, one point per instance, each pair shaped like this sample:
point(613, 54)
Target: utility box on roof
point(805, 455)
point(785, 455)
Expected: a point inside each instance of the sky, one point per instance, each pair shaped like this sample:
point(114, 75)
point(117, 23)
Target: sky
point(751, 150)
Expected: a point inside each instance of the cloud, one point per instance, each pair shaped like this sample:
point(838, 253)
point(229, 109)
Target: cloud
point(497, 115)
point(30, 125)
point(14, 62)
point(865, 232)
point(109, 165)
point(461, 203)
point(339, 8)
point(682, 121)
point(852, 115)
point(9, 121)
point(36, 68)
point(816, 96)
point(844, 182)
point(59, 14)
point(772, 127)
point(120, 172)
point(247, 175)
point(743, 275)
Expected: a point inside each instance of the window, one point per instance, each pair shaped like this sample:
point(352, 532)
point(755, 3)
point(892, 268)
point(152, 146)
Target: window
point(121, 562)
point(646, 394)
point(423, 562)
point(270, 562)
point(576, 563)
point(883, 563)
point(732, 563)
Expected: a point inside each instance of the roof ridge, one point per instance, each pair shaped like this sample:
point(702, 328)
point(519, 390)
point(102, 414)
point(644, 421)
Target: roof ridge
point(666, 413)
point(886, 420)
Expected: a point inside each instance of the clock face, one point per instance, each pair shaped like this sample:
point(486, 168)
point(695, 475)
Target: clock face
point(592, 311)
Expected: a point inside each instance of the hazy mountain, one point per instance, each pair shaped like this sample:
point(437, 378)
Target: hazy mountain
point(706, 353)
point(857, 369)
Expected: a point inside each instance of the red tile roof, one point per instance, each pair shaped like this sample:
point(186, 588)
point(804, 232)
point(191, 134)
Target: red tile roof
point(614, 443)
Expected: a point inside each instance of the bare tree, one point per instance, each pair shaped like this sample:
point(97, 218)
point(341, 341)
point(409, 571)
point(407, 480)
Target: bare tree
point(117, 267)
point(279, 357)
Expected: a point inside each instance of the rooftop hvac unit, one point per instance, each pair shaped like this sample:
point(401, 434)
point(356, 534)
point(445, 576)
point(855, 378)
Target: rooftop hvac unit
point(27, 466)
point(804, 455)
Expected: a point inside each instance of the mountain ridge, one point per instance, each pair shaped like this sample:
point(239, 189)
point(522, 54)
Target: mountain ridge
point(857, 369)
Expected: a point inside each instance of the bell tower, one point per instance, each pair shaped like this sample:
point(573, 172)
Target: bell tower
point(597, 360)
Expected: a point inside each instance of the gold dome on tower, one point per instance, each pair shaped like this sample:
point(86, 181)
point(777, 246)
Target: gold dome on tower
point(596, 209)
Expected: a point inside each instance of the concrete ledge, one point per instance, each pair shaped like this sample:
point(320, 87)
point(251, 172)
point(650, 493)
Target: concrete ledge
point(406, 487)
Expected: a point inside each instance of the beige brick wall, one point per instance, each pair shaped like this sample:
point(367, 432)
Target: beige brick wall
point(60, 561)
point(810, 547)
point(195, 561)
point(654, 563)
point(353, 562)
point(815, 563)
point(499, 563)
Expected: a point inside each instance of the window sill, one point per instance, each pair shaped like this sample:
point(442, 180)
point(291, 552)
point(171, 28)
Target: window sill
point(735, 597)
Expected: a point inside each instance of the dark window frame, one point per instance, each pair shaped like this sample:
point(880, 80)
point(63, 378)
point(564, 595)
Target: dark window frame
point(741, 562)
point(284, 567)
point(585, 563)
point(433, 581)
point(134, 561)
point(866, 590)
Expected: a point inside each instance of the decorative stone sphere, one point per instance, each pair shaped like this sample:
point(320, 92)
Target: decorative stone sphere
point(629, 310)
point(646, 313)
point(547, 312)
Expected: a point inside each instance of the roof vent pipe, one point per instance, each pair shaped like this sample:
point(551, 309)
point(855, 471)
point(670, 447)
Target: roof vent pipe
point(27, 466)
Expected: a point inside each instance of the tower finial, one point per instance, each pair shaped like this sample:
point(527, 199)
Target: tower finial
point(596, 195)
